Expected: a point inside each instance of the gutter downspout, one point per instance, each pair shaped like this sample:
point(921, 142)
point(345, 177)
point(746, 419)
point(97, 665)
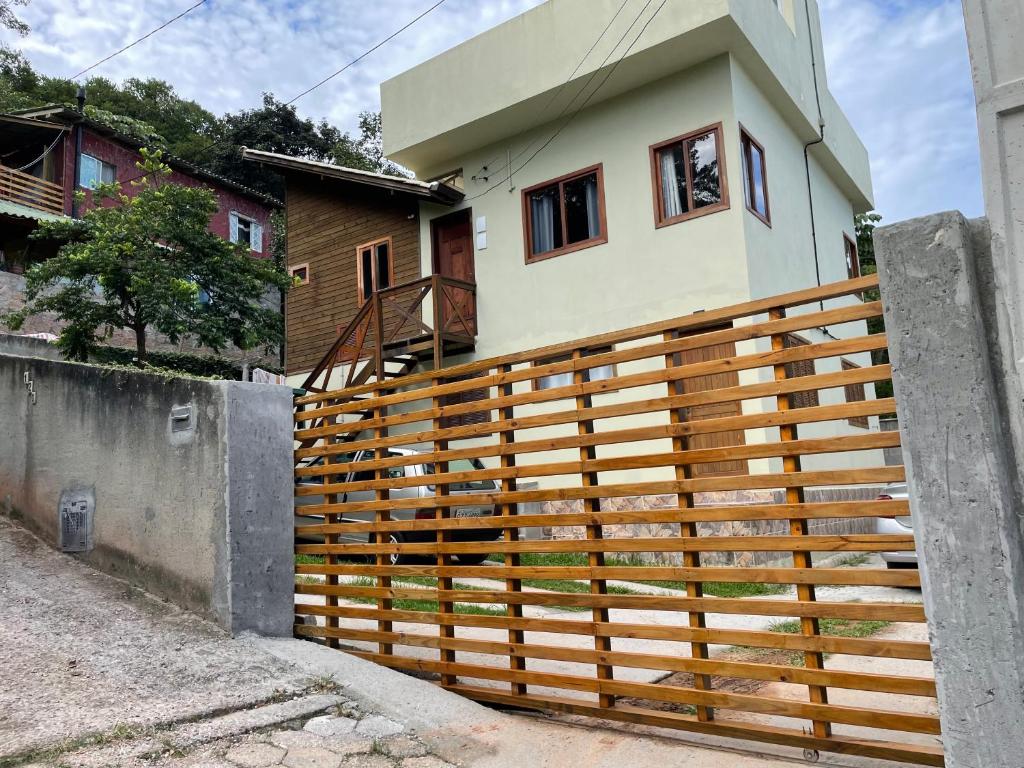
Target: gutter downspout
point(808, 145)
point(78, 152)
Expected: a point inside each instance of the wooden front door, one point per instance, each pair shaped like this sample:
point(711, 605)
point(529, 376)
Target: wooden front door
point(714, 410)
point(453, 257)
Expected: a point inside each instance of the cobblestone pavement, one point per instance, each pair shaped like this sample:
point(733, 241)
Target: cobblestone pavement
point(342, 736)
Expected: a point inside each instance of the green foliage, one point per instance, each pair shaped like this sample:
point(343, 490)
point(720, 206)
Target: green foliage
point(206, 366)
point(141, 265)
point(126, 126)
point(276, 127)
point(8, 18)
point(153, 112)
point(865, 224)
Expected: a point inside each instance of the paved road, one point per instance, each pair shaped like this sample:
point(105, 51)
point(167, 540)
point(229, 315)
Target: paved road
point(95, 673)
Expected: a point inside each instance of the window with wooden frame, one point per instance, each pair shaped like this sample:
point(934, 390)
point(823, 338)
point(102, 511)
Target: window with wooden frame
point(688, 176)
point(299, 274)
point(375, 267)
point(794, 370)
point(852, 259)
point(597, 373)
point(755, 177)
point(565, 214)
point(855, 393)
point(465, 396)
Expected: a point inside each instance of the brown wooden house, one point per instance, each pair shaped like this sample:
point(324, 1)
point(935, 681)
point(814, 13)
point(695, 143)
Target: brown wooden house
point(353, 241)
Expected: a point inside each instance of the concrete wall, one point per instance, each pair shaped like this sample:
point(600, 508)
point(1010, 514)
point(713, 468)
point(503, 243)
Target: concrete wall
point(201, 516)
point(964, 477)
point(26, 346)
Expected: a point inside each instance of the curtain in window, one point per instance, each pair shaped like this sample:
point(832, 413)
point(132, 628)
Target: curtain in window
point(233, 227)
point(257, 237)
point(542, 214)
point(670, 184)
point(593, 210)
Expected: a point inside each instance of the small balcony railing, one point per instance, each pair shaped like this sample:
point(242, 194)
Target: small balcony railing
point(25, 189)
point(393, 325)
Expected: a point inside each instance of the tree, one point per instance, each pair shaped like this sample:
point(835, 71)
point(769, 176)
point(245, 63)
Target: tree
point(149, 262)
point(274, 127)
point(865, 224)
point(367, 152)
point(9, 19)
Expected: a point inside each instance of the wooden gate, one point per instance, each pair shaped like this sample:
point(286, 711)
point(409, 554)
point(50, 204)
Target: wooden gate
point(748, 602)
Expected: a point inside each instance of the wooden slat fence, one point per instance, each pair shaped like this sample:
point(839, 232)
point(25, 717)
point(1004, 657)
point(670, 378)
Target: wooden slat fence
point(621, 583)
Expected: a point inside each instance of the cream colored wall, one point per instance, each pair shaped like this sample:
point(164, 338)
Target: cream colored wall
point(781, 257)
point(642, 273)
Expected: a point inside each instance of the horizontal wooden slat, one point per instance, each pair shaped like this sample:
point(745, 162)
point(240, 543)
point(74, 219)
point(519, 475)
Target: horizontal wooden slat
point(646, 378)
point(829, 576)
point(855, 646)
point(694, 322)
point(919, 754)
point(627, 354)
point(866, 542)
point(911, 686)
point(895, 721)
point(869, 441)
point(831, 477)
point(907, 612)
point(809, 511)
point(607, 437)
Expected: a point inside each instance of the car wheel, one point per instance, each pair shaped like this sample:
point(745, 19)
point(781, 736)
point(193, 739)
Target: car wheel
point(473, 558)
point(395, 558)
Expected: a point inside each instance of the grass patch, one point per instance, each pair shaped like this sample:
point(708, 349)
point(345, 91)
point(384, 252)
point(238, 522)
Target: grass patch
point(834, 627)
point(579, 560)
point(424, 606)
point(310, 560)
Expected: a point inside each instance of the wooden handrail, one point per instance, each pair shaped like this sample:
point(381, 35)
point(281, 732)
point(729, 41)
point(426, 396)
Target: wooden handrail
point(369, 321)
point(25, 189)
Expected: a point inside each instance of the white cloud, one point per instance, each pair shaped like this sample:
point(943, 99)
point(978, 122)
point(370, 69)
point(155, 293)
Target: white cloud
point(900, 71)
point(898, 67)
point(227, 52)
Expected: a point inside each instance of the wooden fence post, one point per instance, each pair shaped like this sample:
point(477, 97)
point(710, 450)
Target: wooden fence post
point(443, 560)
point(508, 485)
point(809, 626)
point(585, 426)
point(688, 529)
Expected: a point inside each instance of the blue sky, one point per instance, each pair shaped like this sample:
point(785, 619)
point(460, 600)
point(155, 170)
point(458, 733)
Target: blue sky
point(899, 68)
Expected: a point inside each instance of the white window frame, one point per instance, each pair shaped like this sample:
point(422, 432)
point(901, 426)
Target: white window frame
point(255, 230)
point(97, 168)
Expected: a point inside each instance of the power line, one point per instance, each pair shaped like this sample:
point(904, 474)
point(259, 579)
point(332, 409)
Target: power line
point(139, 40)
point(586, 101)
point(363, 55)
point(309, 90)
point(565, 84)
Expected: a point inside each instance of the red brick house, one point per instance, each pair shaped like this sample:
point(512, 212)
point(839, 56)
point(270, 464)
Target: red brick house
point(47, 153)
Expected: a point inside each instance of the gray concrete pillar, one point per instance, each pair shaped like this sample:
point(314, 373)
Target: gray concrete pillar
point(964, 474)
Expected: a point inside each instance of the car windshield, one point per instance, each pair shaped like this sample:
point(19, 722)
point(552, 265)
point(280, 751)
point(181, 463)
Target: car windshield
point(464, 465)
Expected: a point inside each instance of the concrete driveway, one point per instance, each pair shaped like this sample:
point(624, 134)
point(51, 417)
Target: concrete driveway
point(98, 674)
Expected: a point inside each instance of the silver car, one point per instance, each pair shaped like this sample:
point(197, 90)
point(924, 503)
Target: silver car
point(308, 492)
point(900, 525)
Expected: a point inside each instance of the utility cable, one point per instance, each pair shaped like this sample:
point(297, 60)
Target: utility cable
point(586, 101)
point(360, 57)
point(149, 34)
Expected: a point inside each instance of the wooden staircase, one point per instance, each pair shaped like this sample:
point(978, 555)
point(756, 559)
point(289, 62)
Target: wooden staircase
point(388, 339)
